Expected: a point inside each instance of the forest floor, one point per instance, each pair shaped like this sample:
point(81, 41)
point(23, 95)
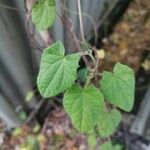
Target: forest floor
point(128, 44)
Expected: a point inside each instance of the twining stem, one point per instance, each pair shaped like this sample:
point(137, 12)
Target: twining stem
point(89, 17)
point(68, 24)
point(91, 75)
point(69, 27)
point(80, 21)
point(11, 8)
point(92, 57)
point(93, 71)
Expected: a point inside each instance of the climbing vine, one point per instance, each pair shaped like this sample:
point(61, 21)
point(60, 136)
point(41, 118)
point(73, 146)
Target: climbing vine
point(87, 105)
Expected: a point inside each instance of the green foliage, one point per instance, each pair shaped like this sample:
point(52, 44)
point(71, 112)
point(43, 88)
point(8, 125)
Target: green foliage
point(32, 143)
point(17, 131)
point(36, 128)
point(43, 14)
point(118, 87)
point(84, 106)
point(29, 96)
point(106, 146)
point(57, 72)
point(109, 146)
point(82, 74)
point(118, 147)
point(92, 141)
point(108, 123)
point(22, 115)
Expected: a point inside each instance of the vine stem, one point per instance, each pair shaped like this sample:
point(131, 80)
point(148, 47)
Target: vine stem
point(12, 8)
point(33, 113)
point(80, 21)
point(93, 71)
point(83, 40)
point(68, 25)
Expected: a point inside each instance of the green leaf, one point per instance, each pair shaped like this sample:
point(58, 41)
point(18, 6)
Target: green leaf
point(32, 143)
point(84, 106)
point(29, 96)
point(22, 115)
point(92, 141)
point(83, 73)
point(43, 14)
point(106, 146)
point(118, 147)
point(109, 146)
point(57, 72)
point(118, 87)
point(108, 123)
point(36, 128)
point(17, 131)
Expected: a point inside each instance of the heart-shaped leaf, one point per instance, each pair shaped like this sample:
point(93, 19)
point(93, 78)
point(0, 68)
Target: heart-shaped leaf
point(43, 14)
point(118, 87)
point(109, 122)
point(57, 72)
point(84, 106)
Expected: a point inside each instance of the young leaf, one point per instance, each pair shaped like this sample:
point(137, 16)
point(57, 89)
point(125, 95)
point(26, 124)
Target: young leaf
point(108, 123)
point(109, 146)
point(92, 141)
point(82, 74)
point(84, 106)
point(106, 146)
point(57, 72)
point(43, 14)
point(118, 147)
point(118, 87)
point(22, 115)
